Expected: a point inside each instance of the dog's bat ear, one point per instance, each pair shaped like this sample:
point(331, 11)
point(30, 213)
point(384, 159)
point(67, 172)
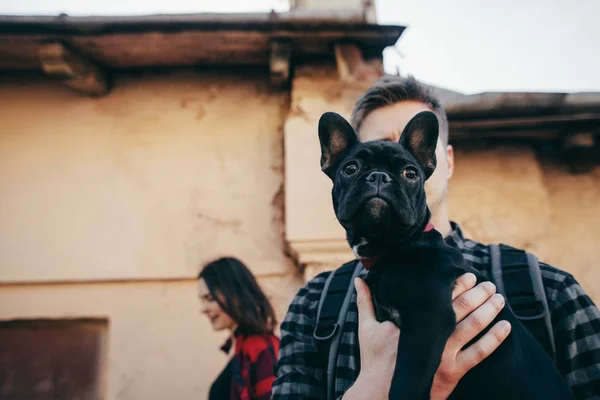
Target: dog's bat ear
point(420, 138)
point(336, 136)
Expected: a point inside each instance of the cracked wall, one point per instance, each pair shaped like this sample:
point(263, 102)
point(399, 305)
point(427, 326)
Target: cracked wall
point(110, 206)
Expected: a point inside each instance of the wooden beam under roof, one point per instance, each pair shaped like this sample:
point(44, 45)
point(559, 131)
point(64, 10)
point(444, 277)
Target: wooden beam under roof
point(60, 63)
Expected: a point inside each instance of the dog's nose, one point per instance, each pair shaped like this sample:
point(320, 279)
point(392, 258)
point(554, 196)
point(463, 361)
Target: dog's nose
point(378, 178)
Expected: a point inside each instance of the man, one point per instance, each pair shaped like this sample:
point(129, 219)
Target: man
point(381, 114)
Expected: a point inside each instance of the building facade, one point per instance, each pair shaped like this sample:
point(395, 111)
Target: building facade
point(133, 151)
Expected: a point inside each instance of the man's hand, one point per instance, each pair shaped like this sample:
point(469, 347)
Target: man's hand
point(378, 348)
point(475, 308)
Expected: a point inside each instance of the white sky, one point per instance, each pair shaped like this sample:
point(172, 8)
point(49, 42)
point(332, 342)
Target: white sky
point(464, 45)
point(498, 45)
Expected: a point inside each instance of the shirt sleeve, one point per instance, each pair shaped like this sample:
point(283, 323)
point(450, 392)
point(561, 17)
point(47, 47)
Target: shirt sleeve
point(576, 325)
point(299, 373)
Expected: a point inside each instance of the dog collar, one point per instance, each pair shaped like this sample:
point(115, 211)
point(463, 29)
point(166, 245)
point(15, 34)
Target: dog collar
point(370, 261)
point(429, 227)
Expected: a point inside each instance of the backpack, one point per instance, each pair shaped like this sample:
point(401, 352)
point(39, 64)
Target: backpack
point(515, 273)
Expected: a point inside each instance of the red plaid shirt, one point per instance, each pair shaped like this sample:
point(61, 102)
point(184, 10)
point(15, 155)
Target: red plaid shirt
point(253, 366)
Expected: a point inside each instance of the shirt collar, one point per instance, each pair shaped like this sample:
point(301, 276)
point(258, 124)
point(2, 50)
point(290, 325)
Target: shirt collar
point(226, 347)
point(455, 238)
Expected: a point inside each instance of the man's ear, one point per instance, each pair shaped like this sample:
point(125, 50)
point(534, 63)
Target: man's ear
point(336, 136)
point(420, 138)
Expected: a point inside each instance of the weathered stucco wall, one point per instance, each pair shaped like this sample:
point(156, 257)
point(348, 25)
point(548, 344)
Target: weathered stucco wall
point(575, 213)
point(509, 194)
point(166, 172)
point(111, 205)
point(503, 194)
point(157, 340)
point(159, 346)
point(311, 227)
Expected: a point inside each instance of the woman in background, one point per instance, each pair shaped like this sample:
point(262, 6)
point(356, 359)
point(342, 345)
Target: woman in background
point(232, 300)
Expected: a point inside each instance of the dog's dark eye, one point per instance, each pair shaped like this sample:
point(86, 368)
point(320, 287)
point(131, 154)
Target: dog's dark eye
point(410, 173)
point(350, 168)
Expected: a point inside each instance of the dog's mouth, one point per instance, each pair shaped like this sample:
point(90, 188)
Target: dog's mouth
point(379, 224)
point(375, 207)
point(377, 218)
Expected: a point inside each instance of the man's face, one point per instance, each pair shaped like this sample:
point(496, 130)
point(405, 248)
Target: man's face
point(387, 123)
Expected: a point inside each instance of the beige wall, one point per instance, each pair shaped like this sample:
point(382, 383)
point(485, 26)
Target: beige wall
point(109, 206)
point(503, 194)
point(148, 182)
point(510, 195)
point(159, 346)
point(311, 227)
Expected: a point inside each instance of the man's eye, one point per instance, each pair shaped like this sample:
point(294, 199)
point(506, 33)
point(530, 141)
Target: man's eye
point(350, 168)
point(410, 173)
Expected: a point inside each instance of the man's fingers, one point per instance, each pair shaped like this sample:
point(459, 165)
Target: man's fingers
point(364, 302)
point(463, 283)
point(477, 321)
point(485, 346)
point(471, 299)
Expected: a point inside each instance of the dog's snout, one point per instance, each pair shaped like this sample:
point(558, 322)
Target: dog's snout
point(378, 177)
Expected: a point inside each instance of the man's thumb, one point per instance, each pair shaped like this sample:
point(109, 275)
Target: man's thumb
point(364, 302)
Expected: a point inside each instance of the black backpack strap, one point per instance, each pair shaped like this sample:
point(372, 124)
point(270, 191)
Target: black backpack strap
point(331, 316)
point(517, 276)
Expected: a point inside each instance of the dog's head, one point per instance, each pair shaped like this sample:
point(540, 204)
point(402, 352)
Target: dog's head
point(378, 187)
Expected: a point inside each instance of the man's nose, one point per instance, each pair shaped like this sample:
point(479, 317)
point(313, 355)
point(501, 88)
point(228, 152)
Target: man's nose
point(377, 178)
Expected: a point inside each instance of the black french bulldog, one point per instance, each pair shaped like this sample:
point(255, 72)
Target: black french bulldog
point(379, 198)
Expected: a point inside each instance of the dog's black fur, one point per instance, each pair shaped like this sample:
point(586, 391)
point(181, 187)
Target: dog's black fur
point(379, 198)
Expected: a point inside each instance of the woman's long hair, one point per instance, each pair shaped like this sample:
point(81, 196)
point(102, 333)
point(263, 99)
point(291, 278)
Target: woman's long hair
point(234, 288)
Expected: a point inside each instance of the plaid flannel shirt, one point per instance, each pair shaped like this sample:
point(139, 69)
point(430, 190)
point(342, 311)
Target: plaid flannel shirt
point(301, 369)
point(253, 369)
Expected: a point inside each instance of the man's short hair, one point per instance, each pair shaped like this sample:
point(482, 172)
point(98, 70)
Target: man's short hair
point(392, 89)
